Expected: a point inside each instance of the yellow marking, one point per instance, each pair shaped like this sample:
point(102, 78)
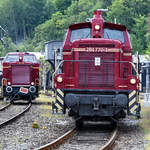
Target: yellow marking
point(20, 62)
point(79, 49)
point(6, 67)
point(131, 102)
point(133, 109)
point(131, 94)
point(123, 86)
point(60, 92)
point(58, 106)
point(35, 67)
point(60, 100)
point(127, 54)
point(67, 53)
point(70, 85)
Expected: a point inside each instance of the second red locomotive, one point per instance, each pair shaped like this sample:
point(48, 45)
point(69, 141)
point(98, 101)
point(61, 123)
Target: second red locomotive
point(20, 76)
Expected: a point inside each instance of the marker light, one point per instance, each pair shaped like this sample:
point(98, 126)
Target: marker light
point(59, 79)
point(97, 27)
point(32, 83)
point(132, 81)
point(9, 83)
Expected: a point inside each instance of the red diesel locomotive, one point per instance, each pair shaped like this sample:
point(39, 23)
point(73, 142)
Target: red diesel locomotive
point(20, 76)
point(97, 80)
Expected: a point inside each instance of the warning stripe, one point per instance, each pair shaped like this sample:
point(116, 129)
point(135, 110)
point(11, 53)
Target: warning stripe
point(59, 99)
point(60, 92)
point(132, 93)
point(58, 106)
point(134, 108)
point(131, 106)
point(132, 101)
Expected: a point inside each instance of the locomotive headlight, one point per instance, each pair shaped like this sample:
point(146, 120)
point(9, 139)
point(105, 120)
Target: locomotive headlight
point(32, 83)
point(9, 83)
point(97, 27)
point(132, 81)
point(59, 79)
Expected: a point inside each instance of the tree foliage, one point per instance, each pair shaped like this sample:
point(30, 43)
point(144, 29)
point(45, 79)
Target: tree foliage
point(20, 17)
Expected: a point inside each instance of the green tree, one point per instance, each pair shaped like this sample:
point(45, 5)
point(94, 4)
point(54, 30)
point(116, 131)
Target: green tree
point(132, 14)
point(62, 5)
point(2, 49)
point(148, 29)
point(22, 16)
point(49, 9)
point(138, 32)
point(147, 50)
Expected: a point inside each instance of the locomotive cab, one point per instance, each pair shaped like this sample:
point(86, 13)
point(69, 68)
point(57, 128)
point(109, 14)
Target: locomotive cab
point(97, 79)
point(20, 76)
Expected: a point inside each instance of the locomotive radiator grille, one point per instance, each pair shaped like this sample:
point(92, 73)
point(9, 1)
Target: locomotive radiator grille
point(20, 74)
point(96, 75)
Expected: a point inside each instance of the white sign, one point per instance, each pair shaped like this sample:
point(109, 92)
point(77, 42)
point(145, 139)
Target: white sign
point(97, 61)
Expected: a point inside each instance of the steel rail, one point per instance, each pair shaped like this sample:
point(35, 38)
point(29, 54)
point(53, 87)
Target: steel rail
point(110, 143)
point(3, 108)
point(16, 116)
point(58, 141)
point(70, 133)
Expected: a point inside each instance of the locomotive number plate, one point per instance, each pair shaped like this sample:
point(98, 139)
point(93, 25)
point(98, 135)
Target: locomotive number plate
point(97, 61)
point(23, 90)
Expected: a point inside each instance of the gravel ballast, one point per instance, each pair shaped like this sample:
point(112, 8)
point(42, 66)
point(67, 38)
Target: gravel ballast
point(130, 137)
point(21, 136)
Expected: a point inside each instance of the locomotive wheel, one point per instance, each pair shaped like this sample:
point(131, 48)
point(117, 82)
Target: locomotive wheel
point(12, 102)
point(79, 123)
point(114, 122)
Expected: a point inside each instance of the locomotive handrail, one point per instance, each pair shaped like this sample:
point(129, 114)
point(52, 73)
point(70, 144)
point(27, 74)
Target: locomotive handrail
point(53, 75)
point(133, 65)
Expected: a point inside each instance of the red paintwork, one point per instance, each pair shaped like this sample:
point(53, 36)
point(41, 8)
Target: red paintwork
point(20, 73)
point(87, 76)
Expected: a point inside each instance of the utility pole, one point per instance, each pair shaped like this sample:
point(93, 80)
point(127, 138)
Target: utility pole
point(5, 44)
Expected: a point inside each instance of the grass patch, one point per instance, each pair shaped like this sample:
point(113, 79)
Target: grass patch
point(147, 147)
point(47, 107)
point(44, 98)
point(47, 110)
point(2, 102)
point(48, 115)
point(49, 92)
point(1, 145)
point(144, 123)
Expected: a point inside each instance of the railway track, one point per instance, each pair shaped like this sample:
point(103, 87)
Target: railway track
point(11, 114)
point(4, 107)
point(95, 137)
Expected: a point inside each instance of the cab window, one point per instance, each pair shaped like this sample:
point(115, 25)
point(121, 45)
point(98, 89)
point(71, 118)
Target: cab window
point(82, 33)
point(29, 58)
point(12, 58)
point(114, 34)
